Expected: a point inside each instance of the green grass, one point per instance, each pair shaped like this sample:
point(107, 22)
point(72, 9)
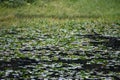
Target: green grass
point(104, 10)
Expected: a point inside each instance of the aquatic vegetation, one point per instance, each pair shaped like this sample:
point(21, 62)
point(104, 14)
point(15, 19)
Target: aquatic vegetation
point(65, 52)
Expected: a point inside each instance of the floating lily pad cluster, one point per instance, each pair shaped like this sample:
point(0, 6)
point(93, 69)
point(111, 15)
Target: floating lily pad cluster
point(57, 52)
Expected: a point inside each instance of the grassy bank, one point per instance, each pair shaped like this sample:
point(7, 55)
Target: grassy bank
point(105, 10)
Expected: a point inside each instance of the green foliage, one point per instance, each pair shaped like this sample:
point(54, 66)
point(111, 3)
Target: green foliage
point(30, 1)
point(49, 50)
point(15, 3)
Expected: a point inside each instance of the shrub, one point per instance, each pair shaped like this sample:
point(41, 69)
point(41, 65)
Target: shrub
point(15, 3)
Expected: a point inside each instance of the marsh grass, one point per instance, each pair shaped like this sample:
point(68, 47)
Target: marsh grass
point(104, 10)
